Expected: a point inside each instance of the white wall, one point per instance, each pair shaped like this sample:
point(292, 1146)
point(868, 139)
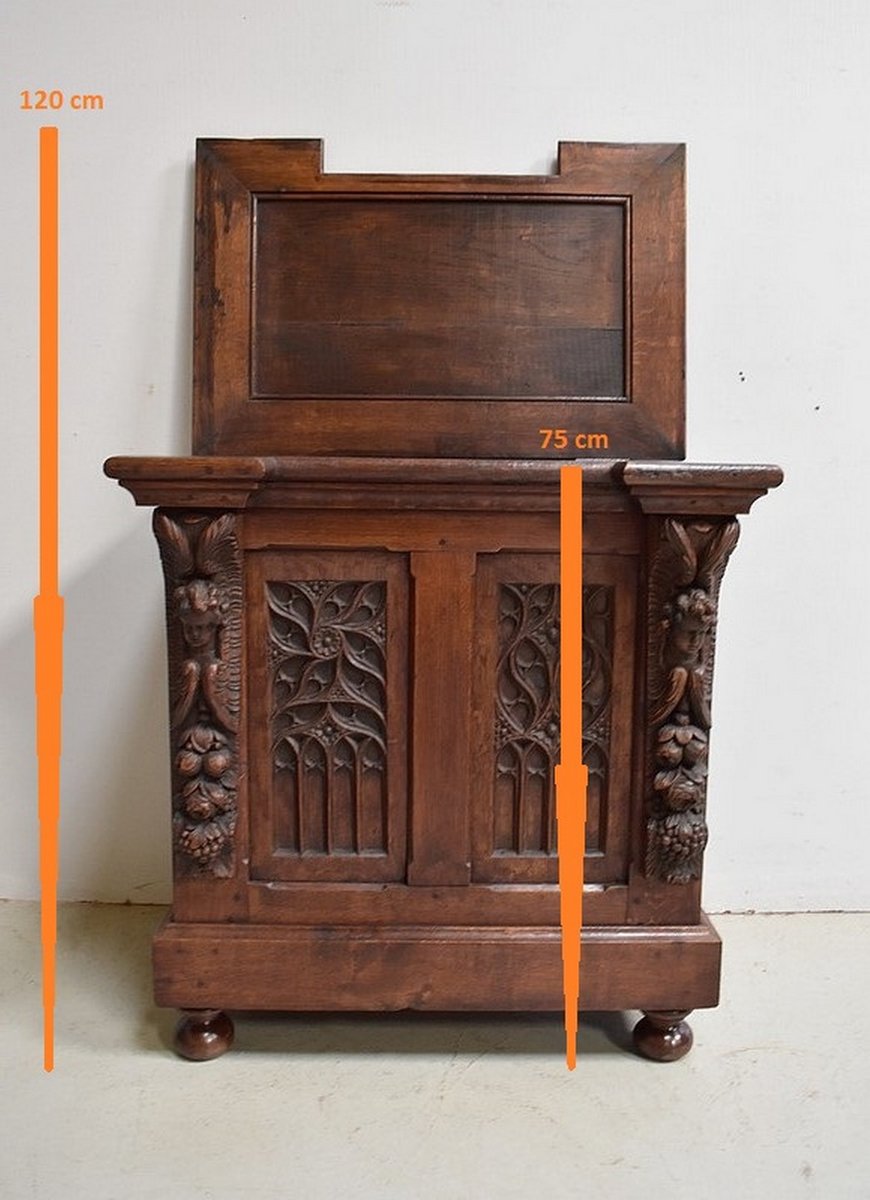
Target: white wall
point(772, 99)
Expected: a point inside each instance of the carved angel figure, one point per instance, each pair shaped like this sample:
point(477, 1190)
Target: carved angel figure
point(688, 619)
point(699, 554)
point(201, 608)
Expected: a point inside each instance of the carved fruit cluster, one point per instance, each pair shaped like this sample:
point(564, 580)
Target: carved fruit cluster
point(204, 842)
point(681, 753)
point(207, 818)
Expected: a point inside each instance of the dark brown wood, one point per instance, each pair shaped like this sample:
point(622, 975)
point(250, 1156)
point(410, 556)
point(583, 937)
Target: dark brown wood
point(363, 633)
point(520, 904)
point(327, 716)
point(457, 968)
point(305, 904)
point(686, 563)
point(720, 489)
point(495, 299)
point(663, 1036)
point(467, 312)
point(202, 567)
point(440, 706)
point(203, 1034)
point(523, 484)
point(517, 722)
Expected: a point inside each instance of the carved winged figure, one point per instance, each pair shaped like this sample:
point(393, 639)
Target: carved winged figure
point(201, 561)
point(689, 617)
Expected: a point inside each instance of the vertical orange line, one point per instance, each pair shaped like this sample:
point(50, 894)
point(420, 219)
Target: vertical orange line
point(48, 605)
point(571, 774)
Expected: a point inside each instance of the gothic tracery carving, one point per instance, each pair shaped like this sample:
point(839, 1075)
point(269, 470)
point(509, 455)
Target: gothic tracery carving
point(327, 642)
point(527, 728)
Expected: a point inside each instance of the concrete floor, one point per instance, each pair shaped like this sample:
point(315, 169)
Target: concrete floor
point(771, 1103)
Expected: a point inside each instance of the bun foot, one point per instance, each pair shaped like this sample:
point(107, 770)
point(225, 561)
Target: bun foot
point(203, 1033)
point(663, 1036)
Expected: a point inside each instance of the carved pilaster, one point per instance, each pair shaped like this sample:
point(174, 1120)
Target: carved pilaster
point(687, 564)
point(203, 573)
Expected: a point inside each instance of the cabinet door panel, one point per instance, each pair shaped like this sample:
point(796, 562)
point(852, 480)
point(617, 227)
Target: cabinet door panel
point(327, 708)
point(517, 715)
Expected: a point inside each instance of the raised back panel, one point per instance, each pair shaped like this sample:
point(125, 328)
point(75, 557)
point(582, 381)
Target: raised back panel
point(453, 316)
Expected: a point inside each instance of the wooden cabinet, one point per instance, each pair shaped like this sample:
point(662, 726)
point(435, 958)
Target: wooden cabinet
point(364, 638)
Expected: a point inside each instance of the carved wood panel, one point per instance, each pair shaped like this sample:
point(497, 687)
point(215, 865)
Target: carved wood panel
point(328, 635)
point(515, 835)
point(527, 718)
point(203, 577)
point(328, 715)
point(527, 714)
point(688, 560)
point(550, 299)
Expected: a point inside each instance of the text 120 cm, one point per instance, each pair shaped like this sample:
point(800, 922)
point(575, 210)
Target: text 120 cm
point(41, 100)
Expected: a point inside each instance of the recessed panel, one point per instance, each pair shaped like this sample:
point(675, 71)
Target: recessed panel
point(499, 299)
point(327, 715)
point(518, 680)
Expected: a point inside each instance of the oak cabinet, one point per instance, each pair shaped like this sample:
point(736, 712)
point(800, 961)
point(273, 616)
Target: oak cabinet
point(362, 583)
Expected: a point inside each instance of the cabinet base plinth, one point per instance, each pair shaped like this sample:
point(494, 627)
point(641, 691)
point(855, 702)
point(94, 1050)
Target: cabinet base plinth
point(288, 968)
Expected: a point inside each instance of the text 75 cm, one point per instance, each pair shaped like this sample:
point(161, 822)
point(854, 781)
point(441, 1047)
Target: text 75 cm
point(560, 439)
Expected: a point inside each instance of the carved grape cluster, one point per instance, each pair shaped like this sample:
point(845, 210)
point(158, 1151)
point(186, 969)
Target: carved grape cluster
point(676, 846)
point(205, 841)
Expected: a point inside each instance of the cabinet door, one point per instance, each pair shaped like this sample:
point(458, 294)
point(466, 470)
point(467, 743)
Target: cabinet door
point(327, 704)
point(516, 712)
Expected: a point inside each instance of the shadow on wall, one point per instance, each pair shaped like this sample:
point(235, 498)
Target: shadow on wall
point(115, 834)
point(176, 210)
point(114, 769)
point(114, 843)
point(18, 802)
point(116, 788)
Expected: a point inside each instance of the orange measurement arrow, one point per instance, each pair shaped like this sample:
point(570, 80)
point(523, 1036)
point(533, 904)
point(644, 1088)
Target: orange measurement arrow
point(571, 774)
point(48, 605)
